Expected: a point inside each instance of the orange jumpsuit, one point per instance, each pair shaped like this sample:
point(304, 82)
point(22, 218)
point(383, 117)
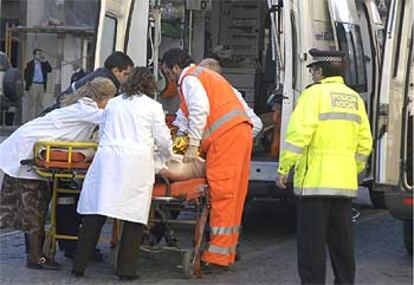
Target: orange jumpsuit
point(227, 142)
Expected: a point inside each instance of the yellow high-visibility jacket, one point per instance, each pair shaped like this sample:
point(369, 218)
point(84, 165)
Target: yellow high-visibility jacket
point(328, 139)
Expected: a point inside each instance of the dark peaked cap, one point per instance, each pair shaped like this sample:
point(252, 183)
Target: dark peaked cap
point(325, 56)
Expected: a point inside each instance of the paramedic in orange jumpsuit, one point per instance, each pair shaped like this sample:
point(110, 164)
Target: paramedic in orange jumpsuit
point(216, 121)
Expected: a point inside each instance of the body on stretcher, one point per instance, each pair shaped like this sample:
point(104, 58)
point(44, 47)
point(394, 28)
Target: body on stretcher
point(63, 161)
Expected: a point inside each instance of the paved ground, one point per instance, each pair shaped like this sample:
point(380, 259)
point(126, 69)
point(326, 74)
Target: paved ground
point(268, 253)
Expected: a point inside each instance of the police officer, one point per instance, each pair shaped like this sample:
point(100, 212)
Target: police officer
point(328, 140)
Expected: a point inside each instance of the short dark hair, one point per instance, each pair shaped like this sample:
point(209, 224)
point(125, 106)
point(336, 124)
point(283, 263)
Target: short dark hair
point(176, 56)
point(331, 68)
point(118, 59)
point(36, 50)
point(141, 80)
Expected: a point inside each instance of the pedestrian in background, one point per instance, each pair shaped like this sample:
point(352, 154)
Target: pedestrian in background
point(35, 75)
point(24, 195)
point(78, 72)
point(328, 140)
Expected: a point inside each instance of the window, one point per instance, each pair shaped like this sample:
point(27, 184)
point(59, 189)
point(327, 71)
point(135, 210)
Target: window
point(350, 41)
point(399, 30)
point(109, 36)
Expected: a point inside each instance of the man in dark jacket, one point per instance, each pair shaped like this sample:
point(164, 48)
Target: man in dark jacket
point(78, 72)
point(117, 67)
point(35, 75)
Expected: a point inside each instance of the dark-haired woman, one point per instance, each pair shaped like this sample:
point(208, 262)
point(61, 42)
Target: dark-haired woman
point(120, 180)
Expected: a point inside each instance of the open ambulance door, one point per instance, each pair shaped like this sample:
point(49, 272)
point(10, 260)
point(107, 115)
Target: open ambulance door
point(348, 34)
point(354, 29)
point(123, 26)
point(407, 134)
point(393, 148)
point(306, 25)
point(395, 136)
point(372, 39)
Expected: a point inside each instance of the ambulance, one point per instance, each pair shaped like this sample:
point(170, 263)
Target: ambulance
point(263, 47)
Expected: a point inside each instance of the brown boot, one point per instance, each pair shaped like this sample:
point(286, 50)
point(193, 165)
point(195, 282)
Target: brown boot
point(35, 258)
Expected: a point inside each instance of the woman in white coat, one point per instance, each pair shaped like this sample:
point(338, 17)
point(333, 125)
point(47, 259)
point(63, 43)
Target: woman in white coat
point(120, 180)
point(25, 196)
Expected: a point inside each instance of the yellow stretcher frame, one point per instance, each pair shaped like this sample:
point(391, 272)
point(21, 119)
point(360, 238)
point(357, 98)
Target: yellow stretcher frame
point(55, 175)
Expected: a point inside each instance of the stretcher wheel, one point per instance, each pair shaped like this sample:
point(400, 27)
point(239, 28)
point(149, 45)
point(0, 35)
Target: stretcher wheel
point(188, 264)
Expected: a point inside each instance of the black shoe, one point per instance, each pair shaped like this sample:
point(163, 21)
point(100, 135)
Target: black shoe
point(43, 263)
point(128, 278)
point(76, 274)
point(95, 257)
point(209, 268)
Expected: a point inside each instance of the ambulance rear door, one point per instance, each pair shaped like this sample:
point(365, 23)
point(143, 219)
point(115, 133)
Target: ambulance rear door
point(123, 26)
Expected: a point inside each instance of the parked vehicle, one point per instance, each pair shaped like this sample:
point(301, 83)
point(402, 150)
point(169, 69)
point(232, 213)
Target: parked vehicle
point(263, 46)
point(11, 91)
point(394, 132)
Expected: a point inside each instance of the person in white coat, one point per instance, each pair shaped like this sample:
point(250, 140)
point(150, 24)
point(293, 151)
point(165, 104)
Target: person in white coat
point(120, 180)
point(25, 196)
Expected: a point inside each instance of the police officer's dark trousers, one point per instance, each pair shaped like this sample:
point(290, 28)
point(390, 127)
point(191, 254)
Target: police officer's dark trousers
point(127, 259)
point(325, 221)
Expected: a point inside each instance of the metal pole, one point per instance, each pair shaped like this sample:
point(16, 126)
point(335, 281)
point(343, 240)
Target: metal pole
point(7, 48)
point(59, 60)
point(157, 43)
point(190, 32)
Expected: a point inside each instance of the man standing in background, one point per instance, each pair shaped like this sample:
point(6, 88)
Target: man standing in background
point(78, 72)
point(35, 75)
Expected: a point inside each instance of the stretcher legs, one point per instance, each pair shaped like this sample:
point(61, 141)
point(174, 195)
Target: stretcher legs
point(51, 237)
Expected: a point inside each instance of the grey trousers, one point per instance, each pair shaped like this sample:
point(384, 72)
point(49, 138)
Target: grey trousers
point(127, 259)
point(35, 102)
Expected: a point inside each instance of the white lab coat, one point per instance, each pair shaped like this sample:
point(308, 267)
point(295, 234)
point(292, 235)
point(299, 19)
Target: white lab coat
point(199, 108)
point(72, 123)
point(120, 180)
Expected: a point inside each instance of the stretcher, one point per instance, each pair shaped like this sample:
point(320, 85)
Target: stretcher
point(63, 161)
point(190, 194)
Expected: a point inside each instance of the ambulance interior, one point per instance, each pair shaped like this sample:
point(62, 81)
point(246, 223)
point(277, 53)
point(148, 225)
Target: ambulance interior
point(263, 55)
point(237, 33)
